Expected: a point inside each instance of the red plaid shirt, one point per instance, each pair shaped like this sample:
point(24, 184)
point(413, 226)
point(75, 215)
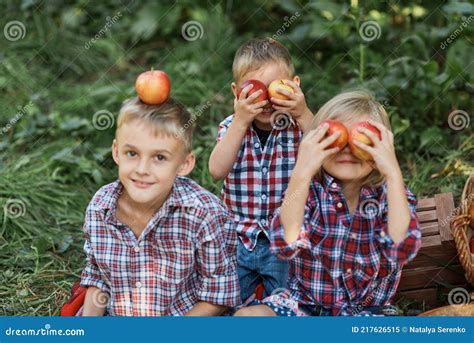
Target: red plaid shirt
point(186, 254)
point(344, 263)
point(254, 187)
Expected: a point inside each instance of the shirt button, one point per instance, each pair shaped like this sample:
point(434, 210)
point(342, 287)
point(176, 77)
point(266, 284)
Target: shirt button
point(334, 185)
point(138, 284)
point(136, 248)
point(264, 169)
point(354, 236)
point(263, 222)
point(339, 205)
point(349, 270)
point(382, 234)
point(257, 145)
point(264, 196)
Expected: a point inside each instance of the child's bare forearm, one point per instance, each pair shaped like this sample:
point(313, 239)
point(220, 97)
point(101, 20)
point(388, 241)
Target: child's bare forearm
point(226, 151)
point(93, 305)
point(398, 210)
point(206, 309)
point(292, 209)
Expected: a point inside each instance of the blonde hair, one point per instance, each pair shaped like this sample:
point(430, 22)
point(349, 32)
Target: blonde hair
point(258, 51)
point(349, 107)
point(170, 118)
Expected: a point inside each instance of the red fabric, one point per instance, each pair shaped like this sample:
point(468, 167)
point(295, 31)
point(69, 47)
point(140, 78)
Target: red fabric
point(259, 291)
point(75, 302)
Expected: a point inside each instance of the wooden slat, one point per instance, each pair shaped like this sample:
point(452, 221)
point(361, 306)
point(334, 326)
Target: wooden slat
point(427, 216)
point(430, 241)
point(445, 210)
point(429, 229)
point(431, 276)
point(436, 257)
point(426, 203)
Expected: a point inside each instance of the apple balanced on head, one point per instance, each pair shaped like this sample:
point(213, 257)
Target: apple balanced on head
point(347, 137)
point(153, 87)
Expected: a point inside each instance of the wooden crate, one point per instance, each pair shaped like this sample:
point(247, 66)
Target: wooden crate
point(437, 265)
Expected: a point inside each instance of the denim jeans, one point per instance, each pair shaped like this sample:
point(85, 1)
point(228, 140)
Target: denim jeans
point(260, 265)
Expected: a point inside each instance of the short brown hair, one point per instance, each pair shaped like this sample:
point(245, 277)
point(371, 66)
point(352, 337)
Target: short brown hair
point(257, 52)
point(348, 107)
point(171, 117)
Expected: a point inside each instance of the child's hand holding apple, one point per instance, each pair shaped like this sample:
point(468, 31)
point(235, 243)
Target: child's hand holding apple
point(250, 101)
point(287, 96)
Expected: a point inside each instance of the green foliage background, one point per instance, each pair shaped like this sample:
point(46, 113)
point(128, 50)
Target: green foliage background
point(56, 77)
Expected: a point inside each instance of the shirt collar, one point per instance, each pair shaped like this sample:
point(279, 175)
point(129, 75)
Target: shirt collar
point(330, 184)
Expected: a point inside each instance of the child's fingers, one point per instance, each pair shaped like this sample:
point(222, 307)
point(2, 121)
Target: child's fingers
point(364, 147)
point(332, 151)
point(294, 85)
point(281, 102)
point(260, 104)
point(320, 132)
point(329, 140)
point(373, 137)
point(245, 91)
point(285, 92)
point(384, 132)
point(251, 98)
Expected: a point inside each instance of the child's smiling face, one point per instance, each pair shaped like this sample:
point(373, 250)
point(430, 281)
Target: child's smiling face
point(266, 74)
point(148, 163)
point(344, 166)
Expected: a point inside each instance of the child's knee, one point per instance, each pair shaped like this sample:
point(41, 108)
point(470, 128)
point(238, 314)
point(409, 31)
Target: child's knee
point(255, 311)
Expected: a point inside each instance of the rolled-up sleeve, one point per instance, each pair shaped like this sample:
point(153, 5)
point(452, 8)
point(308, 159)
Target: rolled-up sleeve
point(223, 127)
point(217, 266)
point(406, 250)
point(279, 245)
point(91, 275)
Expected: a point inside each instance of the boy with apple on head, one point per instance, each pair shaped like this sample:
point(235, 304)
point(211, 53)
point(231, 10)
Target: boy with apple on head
point(157, 244)
point(255, 153)
point(347, 224)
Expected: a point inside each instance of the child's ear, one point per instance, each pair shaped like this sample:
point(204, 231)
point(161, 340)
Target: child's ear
point(296, 80)
point(115, 152)
point(234, 89)
point(188, 165)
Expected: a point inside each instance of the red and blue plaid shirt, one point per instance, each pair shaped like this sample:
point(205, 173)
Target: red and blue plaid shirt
point(186, 254)
point(343, 263)
point(254, 187)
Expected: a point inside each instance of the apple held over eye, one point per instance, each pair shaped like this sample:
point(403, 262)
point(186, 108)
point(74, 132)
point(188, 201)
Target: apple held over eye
point(337, 126)
point(274, 85)
point(257, 85)
point(355, 135)
point(153, 87)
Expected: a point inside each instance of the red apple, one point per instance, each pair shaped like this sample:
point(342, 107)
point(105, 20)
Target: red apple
point(153, 87)
point(274, 85)
point(335, 126)
point(355, 135)
point(257, 85)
